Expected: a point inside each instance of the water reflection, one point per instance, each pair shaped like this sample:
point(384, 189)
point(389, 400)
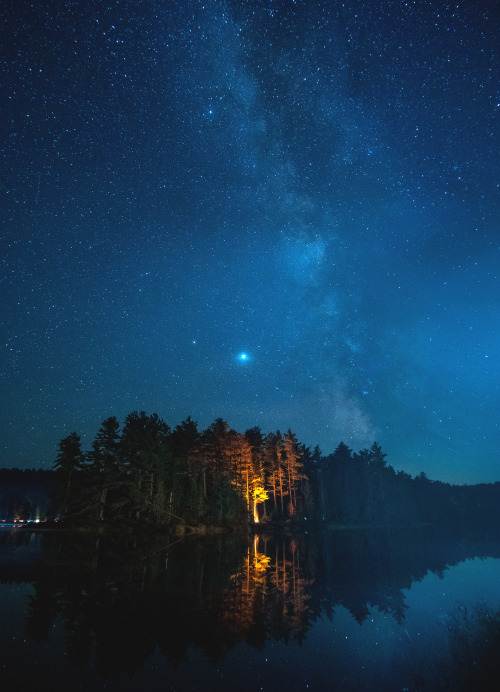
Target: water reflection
point(119, 601)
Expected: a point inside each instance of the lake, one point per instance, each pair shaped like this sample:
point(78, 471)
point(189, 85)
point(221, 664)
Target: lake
point(324, 610)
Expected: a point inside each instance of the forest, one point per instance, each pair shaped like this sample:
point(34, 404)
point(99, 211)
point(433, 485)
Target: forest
point(148, 473)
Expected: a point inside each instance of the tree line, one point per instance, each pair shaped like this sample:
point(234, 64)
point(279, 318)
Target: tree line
point(362, 487)
point(147, 472)
point(151, 473)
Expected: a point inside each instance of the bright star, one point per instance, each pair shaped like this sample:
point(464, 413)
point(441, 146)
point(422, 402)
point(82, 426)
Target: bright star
point(243, 356)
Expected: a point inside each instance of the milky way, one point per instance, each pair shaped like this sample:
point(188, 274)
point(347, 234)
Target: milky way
point(312, 184)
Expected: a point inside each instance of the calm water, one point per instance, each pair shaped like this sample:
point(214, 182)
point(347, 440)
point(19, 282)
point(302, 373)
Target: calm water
point(332, 611)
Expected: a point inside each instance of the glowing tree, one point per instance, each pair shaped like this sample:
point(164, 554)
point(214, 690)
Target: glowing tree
point(259, 495)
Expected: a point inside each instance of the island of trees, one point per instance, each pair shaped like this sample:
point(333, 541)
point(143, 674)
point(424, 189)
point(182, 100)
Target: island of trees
point(148, 473)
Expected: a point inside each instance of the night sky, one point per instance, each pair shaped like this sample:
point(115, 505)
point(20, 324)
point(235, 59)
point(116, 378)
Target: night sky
point(281, 213)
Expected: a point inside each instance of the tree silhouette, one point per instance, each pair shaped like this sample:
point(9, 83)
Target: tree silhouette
point(105, 468)
point(68, 463)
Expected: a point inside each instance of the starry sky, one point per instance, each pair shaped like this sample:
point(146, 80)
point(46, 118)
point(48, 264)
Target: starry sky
point(283, 213)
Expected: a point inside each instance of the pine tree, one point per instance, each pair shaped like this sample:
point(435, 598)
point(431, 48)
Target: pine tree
point(144, 453)
point(273, 465)
point(68, 463)
point(105, 468)
point(181, 490)
point(293, 467)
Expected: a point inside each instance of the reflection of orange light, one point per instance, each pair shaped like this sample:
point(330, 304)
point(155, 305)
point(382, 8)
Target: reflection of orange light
point(260, 560)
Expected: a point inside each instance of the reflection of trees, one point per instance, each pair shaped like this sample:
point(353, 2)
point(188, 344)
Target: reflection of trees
point(245, 593)
point(42, 610)
point(120, 601)
point(288, 596)
point(269, 594)
point(357, 570)
point(200, 592)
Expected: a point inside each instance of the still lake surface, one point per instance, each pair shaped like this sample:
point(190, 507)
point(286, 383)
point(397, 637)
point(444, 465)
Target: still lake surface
point(329, 610)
